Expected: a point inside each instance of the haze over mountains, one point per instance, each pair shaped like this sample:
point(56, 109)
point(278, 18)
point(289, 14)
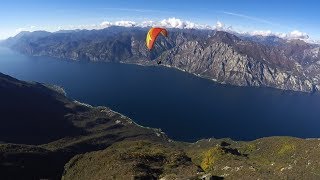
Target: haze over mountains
point(236, 59)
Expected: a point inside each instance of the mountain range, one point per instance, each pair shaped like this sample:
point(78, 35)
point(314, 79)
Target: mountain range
point(224, 57)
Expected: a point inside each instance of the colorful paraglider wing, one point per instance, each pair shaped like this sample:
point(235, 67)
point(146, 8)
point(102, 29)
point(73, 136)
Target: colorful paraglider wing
point(152, 36)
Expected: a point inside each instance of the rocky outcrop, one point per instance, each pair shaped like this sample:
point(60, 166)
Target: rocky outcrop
point(220, 56)
point(222, 63)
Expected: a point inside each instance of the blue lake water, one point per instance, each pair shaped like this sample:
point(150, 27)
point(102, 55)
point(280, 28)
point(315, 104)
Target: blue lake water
point(182, 105)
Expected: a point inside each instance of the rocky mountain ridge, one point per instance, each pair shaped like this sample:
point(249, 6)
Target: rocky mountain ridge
point(217, 55)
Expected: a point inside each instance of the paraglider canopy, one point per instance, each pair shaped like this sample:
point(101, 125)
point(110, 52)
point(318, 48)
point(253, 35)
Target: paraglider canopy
point(152, 35)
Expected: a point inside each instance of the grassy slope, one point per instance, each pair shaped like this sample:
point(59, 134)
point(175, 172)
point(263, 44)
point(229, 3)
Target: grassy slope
point(132, 159)
point(266, 158)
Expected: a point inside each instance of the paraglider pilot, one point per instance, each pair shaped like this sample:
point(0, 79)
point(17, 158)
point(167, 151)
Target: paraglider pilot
point(152, 35)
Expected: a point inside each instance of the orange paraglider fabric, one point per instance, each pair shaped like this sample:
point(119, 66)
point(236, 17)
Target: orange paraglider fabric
point(152, 35)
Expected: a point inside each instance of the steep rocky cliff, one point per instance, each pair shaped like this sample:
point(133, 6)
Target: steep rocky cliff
point(217, 55)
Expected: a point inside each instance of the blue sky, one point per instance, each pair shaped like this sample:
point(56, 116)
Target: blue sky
point(243, 15)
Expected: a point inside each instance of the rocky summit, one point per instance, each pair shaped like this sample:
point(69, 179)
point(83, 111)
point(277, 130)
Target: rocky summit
point(224, 57)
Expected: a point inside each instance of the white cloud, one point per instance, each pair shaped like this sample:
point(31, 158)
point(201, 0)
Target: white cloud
point(297, 35)
point(262, 33)
point(147, 23)
point(281, 35)
point(167, 23)
point(179, 23)
point(105, 24)
point(88, 27)
point(289, 35)
point(173, 23)
point(219, 25)
point(125, 23)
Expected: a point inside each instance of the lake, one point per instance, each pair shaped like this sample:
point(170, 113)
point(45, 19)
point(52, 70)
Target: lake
point(184, 106)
